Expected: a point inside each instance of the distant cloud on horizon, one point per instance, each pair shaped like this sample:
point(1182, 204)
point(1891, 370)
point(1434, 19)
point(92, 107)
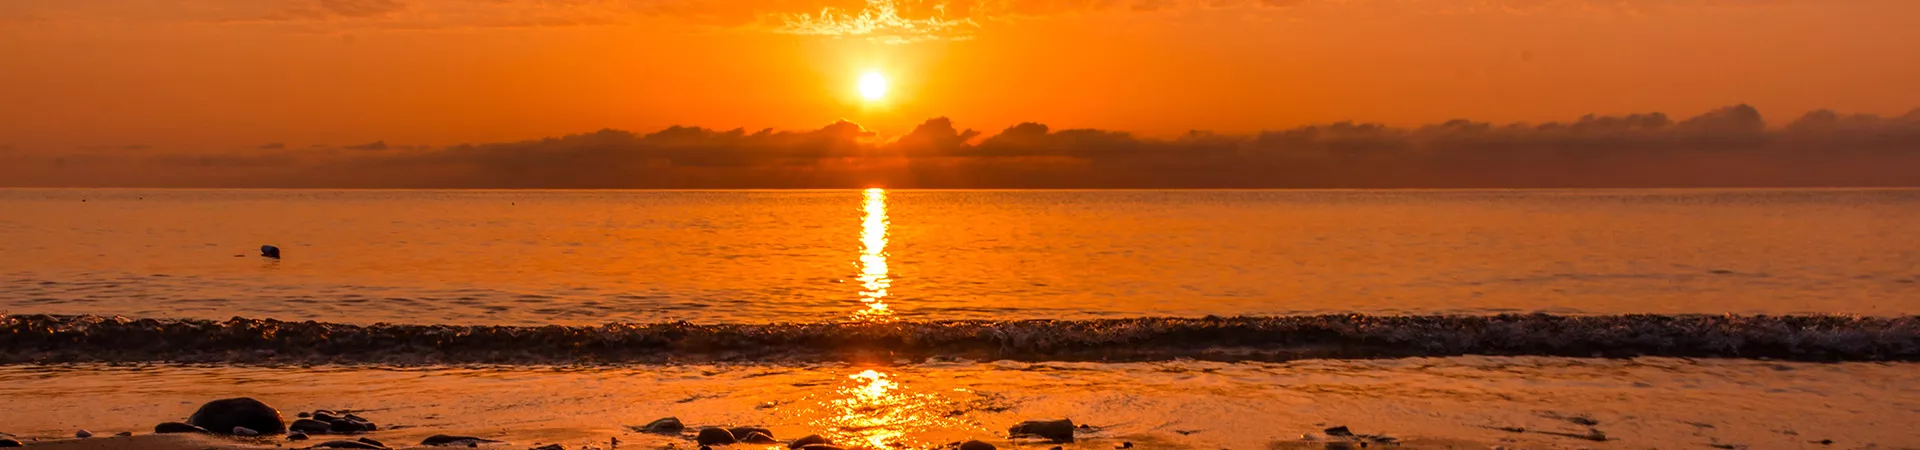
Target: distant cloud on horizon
point(1731, 146)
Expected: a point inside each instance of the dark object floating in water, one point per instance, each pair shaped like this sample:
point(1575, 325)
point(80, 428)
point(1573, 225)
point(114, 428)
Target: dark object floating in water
point(1053, 430)
point(226, 414)
point(270, 251)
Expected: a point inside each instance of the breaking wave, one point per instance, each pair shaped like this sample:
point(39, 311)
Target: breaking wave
point(62, 339)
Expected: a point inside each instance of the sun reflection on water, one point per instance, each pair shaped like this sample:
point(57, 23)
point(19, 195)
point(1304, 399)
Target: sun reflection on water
point(872, 409)
point(873, 258)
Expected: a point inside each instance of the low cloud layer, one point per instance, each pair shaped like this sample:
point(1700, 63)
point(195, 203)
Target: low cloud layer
point(1732, 146)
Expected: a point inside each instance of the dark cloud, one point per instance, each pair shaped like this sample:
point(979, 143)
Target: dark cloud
point(362, 8)
point(1731, 146)
point(375, 145)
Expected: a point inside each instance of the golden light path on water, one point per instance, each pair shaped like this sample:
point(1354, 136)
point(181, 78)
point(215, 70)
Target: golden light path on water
point(873, 257)
point(872, 409)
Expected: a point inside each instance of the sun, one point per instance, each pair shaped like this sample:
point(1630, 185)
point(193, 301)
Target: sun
point(873, 86)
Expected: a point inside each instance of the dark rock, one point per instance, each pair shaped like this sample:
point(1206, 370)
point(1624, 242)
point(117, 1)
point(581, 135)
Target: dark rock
point(371, 441)
point(1583, 420)
point(177, 427)
point(270, 251)
point(1124, 444)
point(124, 434)
point(714, 436)
point(704, 447)
point(296, 436)
point(1339, 431)
point(1825, 442)
point(667, 425)
point(443, 440)
point(310, 426)
point(325, 416)
point(809, 440)
point(222, 415)
point(551, 447)
point(976, 445)
point(742, 432)
point(347, 426)
point(756, 437)
point(10, 443)
point(304, 415)
point(83, 434)
point(346, 444)
point(1053, 430)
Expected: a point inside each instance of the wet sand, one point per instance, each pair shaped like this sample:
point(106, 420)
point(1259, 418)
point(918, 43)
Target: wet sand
point(1465, 402)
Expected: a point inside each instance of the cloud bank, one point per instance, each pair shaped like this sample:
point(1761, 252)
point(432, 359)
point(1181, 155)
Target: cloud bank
point(1731, 146)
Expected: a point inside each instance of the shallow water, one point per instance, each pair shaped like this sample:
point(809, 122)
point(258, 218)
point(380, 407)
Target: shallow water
point(591, 257)
point(1638, 403)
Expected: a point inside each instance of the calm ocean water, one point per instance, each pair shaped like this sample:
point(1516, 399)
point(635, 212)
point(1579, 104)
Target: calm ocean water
point(592, 257)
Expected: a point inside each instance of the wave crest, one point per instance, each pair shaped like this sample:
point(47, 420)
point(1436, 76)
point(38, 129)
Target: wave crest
point(62, 339)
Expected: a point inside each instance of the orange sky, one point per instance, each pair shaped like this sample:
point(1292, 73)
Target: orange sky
point(225, 74)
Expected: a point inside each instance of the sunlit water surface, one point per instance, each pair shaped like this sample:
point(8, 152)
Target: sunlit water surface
point(590, 257)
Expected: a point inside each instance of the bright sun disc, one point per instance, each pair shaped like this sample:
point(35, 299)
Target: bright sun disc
point(873, 85)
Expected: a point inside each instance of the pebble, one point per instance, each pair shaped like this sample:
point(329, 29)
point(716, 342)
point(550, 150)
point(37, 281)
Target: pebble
point(976, 445)
point(296, 436)
point(177, 427)
point(346, 444)
point(1124, 444)
point(666, 425)
point(304, 415)
point(442, 440)
point(1339, 431)
point(344, 426)
point(756, 437)
point(124, 434)
point(714, 436)
point(225, 414)
point(83, 434)
point(310, 426)
point(551, 447)
point(741, 433)
point(810, 439)
point(244, 431)
point(1053, 430)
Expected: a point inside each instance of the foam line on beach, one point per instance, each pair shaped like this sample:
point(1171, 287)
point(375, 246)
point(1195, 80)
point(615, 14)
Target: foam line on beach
point(60, 339)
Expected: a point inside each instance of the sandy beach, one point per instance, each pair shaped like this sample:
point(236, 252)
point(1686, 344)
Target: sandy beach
point(1458, 402)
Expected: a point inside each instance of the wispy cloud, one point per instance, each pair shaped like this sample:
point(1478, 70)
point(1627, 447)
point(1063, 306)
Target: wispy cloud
point(880, 21)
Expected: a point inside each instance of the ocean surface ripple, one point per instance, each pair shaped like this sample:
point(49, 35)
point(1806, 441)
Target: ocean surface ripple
point(39, 339)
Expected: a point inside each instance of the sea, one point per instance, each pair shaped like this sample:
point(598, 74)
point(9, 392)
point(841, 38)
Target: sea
point(1244, 319)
